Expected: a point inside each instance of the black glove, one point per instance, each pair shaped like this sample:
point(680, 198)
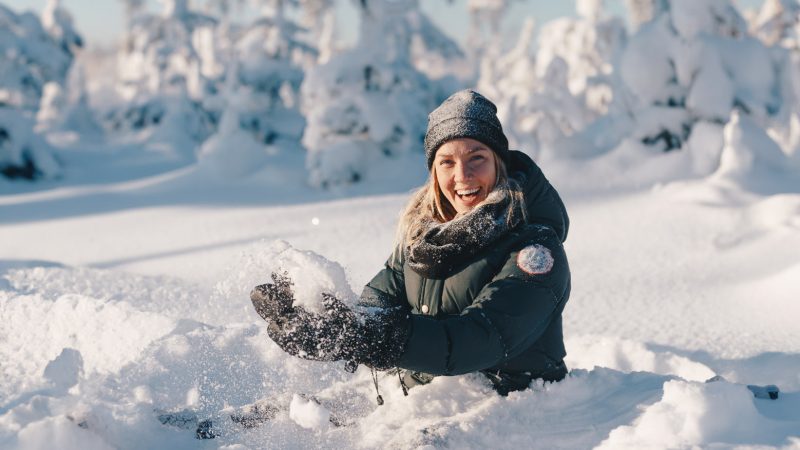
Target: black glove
point(376, 338)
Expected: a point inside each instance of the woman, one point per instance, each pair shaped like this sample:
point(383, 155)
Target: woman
point(479, 278)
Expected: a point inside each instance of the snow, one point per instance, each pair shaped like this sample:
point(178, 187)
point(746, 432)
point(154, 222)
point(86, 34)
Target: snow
point(163, 322)
point(126, 268)
point(308, 414)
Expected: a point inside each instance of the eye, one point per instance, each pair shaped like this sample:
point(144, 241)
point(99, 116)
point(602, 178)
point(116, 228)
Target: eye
point(477, 160)
point(446, 163)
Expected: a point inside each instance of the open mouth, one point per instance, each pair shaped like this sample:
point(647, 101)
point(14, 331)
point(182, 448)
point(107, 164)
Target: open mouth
point(468, 194)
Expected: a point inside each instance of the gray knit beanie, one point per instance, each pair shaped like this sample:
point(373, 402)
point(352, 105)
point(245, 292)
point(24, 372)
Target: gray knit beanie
point(465, 114)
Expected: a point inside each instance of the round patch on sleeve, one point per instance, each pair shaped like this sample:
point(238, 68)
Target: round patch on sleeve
point(535, 260)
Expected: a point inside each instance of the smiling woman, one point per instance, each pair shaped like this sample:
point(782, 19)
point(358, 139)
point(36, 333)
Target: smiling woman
point(478, 278)
point(465, 171)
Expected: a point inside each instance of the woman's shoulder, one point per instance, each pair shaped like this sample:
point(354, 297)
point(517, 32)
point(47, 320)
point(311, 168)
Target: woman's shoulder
point(535, 253)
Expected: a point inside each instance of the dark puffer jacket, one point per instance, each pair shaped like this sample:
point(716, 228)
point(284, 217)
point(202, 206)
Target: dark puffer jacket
point(488, 313)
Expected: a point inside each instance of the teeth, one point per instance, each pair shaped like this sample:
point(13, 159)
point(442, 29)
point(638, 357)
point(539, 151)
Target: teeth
point(468, 191)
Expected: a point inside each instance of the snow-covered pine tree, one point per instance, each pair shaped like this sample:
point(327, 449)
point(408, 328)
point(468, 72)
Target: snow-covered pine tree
point(66, 108)
point(161, 80)
point(318, 17)
point(553, 90)
point(777, 23)
point(270, 55)
point(694, 62)
point(233, 152)
point(590, 45)
point(367, 102)
point(643, 11)
point(58, 23)
point(484, 36)
point(33, 53)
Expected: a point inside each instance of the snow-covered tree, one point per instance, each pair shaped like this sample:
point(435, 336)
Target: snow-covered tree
point(58, 23)
point(233, 152)
point(318, 17)
point(485, 17)
point(694, 62)
point(777, 23)
point(366, 102)
point(67, 107)
point(132, 9)
point(33, 53)
point(643, 11)
point(550, 88)
point(590, 45)
point(161, 80)
point(268, 58)
point(23, 152)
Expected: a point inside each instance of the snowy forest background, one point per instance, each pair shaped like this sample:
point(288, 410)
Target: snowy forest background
point(147, 186)
point(197, 84)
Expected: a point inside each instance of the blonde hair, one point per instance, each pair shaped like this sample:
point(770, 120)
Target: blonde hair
point(428, 204)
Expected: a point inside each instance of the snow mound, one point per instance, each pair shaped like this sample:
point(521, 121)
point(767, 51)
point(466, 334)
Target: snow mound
point(752, 160)
point(590, 351)
point(311, 275)
point(691, 414)
point(34, 330)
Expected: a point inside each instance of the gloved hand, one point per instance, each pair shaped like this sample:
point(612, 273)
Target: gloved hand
point(375, 338)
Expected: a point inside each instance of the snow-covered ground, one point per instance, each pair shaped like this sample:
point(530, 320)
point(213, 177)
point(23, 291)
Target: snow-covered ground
point(125, 296)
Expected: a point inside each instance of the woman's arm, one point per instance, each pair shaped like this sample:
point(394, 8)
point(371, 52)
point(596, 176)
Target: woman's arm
point(508, 316)
point(387, 289)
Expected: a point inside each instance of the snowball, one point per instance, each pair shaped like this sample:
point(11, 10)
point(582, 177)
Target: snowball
point(308, 413)
point(311, 275)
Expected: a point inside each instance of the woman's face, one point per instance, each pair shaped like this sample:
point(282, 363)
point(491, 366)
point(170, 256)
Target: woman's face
point(465, 171)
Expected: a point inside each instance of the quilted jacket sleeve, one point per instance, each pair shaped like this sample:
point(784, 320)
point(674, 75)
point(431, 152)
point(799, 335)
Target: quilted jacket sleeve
point(387, 288)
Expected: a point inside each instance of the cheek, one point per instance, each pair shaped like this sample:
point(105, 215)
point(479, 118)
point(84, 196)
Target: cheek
point(442, 180)
point(489, 177)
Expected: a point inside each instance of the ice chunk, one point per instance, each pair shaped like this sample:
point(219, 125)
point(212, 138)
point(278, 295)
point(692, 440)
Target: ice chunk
point(308, 413)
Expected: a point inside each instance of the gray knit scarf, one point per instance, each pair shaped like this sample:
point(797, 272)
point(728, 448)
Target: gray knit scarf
point(443, 247)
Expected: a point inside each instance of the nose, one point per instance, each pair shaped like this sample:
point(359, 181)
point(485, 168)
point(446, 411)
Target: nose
point(462, 172)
